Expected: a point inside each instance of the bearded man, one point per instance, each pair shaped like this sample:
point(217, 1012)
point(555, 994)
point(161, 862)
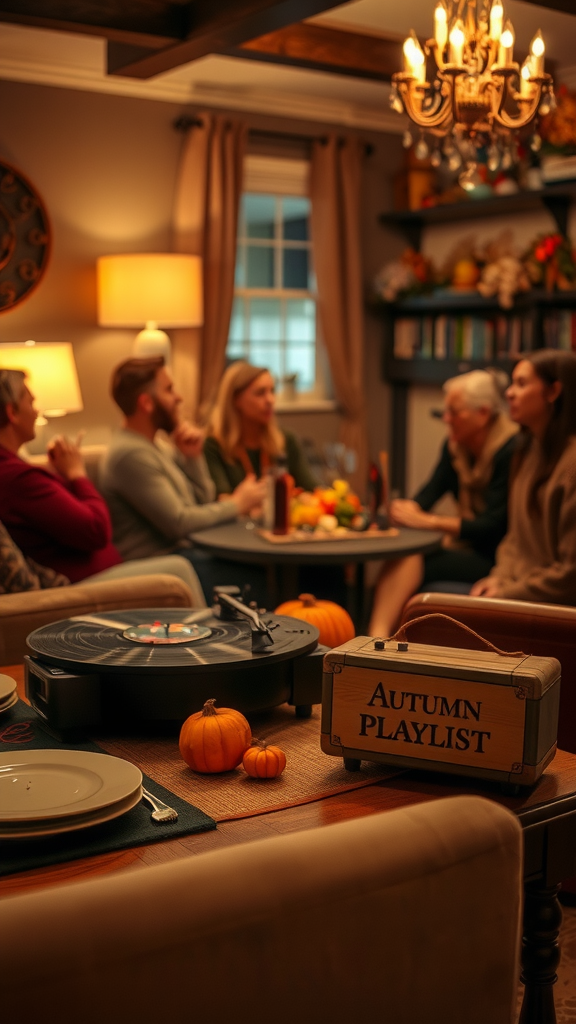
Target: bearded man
point(159, 492)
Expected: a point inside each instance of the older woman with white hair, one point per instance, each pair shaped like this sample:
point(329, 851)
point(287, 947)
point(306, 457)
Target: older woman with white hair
point(474, 467)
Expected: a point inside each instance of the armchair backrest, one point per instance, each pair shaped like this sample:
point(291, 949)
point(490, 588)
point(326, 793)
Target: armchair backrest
point(408, 916)
point(542, 629)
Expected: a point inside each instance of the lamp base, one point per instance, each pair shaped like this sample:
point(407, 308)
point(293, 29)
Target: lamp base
point(152, 342)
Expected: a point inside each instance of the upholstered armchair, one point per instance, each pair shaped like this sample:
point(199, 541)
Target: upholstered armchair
point(405, 917)
point(543, 629)
point(21, 613)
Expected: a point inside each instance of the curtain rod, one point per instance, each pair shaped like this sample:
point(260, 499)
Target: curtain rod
point(185, 122)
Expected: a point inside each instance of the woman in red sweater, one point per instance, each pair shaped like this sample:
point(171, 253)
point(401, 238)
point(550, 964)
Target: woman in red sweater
point(58, 518)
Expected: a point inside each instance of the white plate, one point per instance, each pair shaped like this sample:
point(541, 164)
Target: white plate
point(7, 688)
point(49, 788)
point(51, 827)
point(9, 702)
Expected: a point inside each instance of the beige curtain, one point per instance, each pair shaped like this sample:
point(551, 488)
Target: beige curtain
point(205, 223)
point(335, 194)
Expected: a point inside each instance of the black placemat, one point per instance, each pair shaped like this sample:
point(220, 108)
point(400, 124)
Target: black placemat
point(20, 729)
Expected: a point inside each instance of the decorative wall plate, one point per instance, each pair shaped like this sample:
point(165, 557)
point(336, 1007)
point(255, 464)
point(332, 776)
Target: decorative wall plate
point(24, 237)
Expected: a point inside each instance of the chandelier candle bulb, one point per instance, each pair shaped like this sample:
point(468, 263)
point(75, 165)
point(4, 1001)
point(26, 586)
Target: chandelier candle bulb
point(496, 20)
point(506, 47)
point(525, 76)
point(537, 49)
point(457, 40)
point(440, 27)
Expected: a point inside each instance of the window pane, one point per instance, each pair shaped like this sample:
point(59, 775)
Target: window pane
point(259, 266)
point(300, 320)
point(295, 213)
point(301, 359)
point(265, 321)
point(240, 272)
point(266, 355)
point(295, 268)
point(258, 215)
point(235, 346)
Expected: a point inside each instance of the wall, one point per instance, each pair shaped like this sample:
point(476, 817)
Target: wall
point(106, 168)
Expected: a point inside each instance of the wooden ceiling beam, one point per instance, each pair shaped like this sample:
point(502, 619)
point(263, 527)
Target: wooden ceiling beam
point(216, 26)
point(306, 45)
point(157, 25)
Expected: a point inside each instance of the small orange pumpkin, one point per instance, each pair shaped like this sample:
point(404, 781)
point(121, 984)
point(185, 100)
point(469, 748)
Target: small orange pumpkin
point(214, 739)
point(261, 761)
point(333, 621)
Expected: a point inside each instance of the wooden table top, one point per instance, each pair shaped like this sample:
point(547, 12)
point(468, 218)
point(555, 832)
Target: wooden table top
point(241, 542)
point(553, 796)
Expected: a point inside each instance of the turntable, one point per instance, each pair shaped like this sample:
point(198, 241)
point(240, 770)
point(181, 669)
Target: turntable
point(160, 665)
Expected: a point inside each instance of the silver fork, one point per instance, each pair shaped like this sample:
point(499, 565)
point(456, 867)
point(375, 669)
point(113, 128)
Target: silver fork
point(161, 813)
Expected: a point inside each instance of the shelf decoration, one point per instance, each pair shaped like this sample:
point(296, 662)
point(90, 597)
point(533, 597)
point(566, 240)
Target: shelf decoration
point(558, 131)
point(551, 261)
point(412, 274)
point(504, 277)
point(479, 95)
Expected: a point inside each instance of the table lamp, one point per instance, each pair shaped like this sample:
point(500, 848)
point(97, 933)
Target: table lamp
point(151, 289)
point(51, 375)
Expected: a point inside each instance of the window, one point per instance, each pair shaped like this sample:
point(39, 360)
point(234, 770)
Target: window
point(274, 321)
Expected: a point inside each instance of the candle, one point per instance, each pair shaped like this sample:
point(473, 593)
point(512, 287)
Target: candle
point(525, 75)
point(496, 19)
point(440, 27)
point(415, 62)
point(506, 48)
point(457, 40)
point(537, 49)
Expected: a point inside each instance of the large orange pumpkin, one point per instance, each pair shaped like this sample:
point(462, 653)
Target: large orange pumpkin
point(261, 761)
point(214, 739)
point(333, 622)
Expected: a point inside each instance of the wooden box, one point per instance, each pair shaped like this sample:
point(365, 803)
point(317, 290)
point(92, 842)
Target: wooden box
point(441, 708)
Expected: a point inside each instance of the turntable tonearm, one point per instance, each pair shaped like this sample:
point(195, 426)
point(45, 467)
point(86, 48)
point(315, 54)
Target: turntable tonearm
point(161, 665)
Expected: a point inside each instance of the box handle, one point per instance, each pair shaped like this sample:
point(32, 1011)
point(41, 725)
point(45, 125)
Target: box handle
point(400, 633)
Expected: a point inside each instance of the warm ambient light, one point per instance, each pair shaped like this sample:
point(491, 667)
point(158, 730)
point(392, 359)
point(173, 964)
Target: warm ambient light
point(151, 289)
point(51, 374)
point(479, 96)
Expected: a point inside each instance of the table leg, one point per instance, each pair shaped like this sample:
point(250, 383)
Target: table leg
point(540, 952)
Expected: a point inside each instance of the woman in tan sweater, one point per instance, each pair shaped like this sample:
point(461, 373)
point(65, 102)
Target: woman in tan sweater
point(536, 561)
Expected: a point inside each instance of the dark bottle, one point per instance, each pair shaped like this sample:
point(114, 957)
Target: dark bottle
point(283, 484)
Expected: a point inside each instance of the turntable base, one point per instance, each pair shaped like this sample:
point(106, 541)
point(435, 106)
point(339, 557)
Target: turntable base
point(85, 674)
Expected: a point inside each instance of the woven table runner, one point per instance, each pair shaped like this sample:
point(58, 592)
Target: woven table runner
point(310, 774)
point(20, 729)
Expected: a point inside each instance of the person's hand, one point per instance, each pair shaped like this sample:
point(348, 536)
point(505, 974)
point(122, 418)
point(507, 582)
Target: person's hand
point(65, 457)
point(249, 494)
point(404, 512)
point(189, 439)
point(488, 587)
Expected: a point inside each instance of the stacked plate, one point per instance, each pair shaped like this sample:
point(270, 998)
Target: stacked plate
point(43, 792)
point(8, 693)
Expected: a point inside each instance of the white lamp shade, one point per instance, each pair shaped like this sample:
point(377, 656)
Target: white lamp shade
point(160, 288)
point(50, 374)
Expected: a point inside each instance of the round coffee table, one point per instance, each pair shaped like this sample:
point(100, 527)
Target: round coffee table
point(241, 542)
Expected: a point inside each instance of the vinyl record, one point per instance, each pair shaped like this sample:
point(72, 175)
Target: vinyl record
point(98, 642)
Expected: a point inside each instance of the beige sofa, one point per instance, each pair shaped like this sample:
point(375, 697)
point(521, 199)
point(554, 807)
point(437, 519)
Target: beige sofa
point(21, 613)
point(406, 917)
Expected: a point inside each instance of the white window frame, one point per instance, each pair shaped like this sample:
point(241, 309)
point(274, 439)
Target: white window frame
point(283, 176)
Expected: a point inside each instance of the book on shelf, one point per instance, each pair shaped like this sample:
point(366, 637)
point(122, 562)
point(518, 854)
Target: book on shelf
point(476, 338)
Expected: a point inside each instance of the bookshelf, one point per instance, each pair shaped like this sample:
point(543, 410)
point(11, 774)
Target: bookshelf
point(431, 338)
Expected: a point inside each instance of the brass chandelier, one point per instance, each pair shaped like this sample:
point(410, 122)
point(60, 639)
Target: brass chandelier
point(480, 97)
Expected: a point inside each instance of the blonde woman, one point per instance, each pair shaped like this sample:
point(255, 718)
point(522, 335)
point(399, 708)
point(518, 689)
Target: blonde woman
point(243, 436)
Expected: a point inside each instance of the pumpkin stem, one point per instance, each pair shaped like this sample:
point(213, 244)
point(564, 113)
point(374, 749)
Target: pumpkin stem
point(258, 743)
point(209, 708)
point(308, 600)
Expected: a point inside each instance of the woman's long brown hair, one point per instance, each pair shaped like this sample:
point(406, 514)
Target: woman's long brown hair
point(224, 422)
point(550, 365)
